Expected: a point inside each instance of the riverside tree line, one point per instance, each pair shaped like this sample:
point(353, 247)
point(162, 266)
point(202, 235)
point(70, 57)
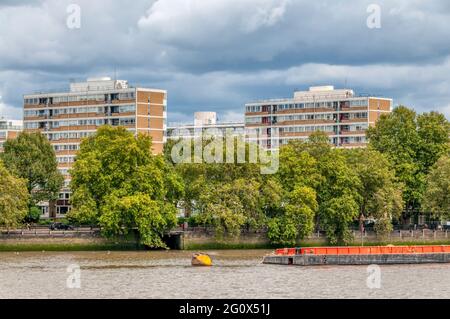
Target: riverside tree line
point(119, 185)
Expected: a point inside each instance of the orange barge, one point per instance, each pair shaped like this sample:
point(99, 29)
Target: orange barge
point(363, 255)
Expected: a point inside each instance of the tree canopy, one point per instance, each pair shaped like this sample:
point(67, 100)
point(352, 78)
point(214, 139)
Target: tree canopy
point(119, 184)
point(31, 156)
point(379, 192)
point(412, 143)
point(221, 194)
point(437, 194)
point(13, 199)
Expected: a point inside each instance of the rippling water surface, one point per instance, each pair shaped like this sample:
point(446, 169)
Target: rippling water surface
point(235, 274)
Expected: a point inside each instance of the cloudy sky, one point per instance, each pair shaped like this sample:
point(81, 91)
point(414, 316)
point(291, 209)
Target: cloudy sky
point(218, 54)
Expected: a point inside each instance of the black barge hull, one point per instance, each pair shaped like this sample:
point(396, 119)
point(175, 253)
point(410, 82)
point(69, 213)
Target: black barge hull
point(380, 259)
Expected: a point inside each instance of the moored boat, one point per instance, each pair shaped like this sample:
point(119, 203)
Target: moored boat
point(201, 259)
point(360, 255)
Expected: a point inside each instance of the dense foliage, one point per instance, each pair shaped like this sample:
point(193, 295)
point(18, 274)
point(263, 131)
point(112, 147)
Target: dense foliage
point(380, 195)
point(437, 194)
point(318, 187)
point(412, 144)
point(13, 199)
point(118, 184)
point(31, 156)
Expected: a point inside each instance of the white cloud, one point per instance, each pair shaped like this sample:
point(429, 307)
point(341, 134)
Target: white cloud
point(177, 118)
point(10, 112)
point(232, 116)
point(229, 91)
point(181, 19)
point(198, 31)
point(218, 54)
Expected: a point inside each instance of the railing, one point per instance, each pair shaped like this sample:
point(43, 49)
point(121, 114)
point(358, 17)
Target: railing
point(10, 127)
point(366, 235)
point(394, 235)
point(43, 231)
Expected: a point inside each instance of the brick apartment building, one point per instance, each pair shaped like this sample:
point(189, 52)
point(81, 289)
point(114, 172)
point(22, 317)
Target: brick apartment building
point(341, 114)
point(67, 117)
point(9, 129)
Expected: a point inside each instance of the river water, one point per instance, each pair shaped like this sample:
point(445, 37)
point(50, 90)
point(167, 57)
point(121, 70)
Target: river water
point(235, 274)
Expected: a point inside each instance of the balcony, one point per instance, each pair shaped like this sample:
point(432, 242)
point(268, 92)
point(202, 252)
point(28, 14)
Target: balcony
point(349, 132)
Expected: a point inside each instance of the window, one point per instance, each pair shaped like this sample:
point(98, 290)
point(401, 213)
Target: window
point(65, 159)
point(62, 210)
point(60, 99)
point(358, 103)
point(31, 101)
point(127, 121)
point(359, 115)
point(31, 125)
point(66, 147)
point(344, 104)
point(253, 120)
point(34, 113)
point(123, 109)
point(64, 195)
point(255, 108)
point(127, 96)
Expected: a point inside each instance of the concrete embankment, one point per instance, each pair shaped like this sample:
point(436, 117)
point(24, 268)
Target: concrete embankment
point(255, 240)
point(65, 244)
point(62, 241)
point(74, 240)
point(85, 239)
point(379, 259)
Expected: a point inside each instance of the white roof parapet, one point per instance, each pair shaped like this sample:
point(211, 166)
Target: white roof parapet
point(315, 93)
point(202, 118)
point(104, 78)
point(321, 88)
point(323, 93)
point(98, 84)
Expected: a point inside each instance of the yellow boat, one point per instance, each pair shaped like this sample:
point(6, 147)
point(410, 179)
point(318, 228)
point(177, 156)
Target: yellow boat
point(200, 259)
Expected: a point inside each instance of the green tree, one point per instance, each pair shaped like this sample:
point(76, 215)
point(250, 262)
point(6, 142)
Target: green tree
point(338, 197)
point(120, 185)
point(31, 156)
point(296, 219)
point(229, 207)
point(337, 190)
point(291, 199)
point(33, 215)
point(226, 195)
point(336, 215)
point(380, 194)
point(437, 195)
point(298, 166)
point(13, 199)
point(412, 144)
point(315, 164)
point(433, 130)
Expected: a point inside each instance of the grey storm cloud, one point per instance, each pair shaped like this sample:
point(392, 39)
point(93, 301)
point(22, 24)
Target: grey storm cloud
point(219, 54)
